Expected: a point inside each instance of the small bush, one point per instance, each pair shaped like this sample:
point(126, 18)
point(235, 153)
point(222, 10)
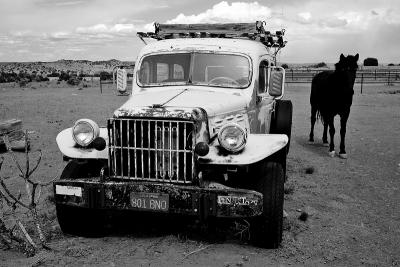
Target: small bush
point(73, 81)
point(319, 65)
point(309, 170)
point(22, 83)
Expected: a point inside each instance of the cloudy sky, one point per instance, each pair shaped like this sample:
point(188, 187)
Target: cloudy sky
point(317, 30)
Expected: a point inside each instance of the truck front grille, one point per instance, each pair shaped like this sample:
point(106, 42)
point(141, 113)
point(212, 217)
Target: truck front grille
point(151, 150)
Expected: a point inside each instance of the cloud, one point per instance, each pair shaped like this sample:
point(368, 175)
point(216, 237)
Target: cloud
point(223, 12)
point(76, 49)
point(333, 22)
point(62, 3)
point(305, 15)
point(59, 36)
point(116, 29)
point(304, 18)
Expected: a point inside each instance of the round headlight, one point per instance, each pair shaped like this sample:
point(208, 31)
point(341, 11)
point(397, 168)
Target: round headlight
point(232, 137)
point(85, 131)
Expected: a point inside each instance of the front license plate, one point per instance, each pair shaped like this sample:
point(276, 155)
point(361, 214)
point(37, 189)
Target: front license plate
point(150, 201)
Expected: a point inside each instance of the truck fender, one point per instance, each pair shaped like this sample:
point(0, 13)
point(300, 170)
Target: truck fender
point(258, 147)
point(68, 147)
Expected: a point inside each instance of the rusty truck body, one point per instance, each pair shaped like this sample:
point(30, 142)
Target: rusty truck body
point(204, 133)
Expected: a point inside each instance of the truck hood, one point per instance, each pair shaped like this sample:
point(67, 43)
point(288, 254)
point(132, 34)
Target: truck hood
point(180, 103)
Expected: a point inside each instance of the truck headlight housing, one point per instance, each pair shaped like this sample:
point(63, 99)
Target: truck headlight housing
point(232, 137)
point(85, 131)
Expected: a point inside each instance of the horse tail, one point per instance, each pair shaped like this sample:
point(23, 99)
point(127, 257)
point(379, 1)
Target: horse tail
point(314, 99)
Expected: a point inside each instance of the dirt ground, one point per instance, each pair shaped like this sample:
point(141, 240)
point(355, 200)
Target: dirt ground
point(353, 204)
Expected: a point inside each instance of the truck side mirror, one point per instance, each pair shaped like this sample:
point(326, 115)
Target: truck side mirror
point(276, 82)
point(121, 80)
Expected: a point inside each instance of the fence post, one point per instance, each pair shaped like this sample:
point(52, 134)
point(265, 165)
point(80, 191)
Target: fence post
point(292, 73)
point(101, 87)
point(375, 75)
point(388, 82)
point(362, 81)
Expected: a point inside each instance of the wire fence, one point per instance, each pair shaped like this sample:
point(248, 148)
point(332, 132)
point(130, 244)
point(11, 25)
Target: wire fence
point(365, 76)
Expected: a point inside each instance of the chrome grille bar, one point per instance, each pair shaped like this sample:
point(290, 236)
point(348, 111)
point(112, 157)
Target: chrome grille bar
point(134, 150)
point(154, 150)
point(129, 149)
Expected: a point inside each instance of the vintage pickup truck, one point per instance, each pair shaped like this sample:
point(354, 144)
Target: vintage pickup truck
point(204, 133)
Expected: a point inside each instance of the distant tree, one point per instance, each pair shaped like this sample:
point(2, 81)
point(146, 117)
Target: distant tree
point(285, 66)
point(390, 64)
point(370, 61)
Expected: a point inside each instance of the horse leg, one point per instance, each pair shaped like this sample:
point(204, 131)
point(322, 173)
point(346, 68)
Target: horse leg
point(332, 136)
point(313, 119)
point(325, 134)
point(343, 123)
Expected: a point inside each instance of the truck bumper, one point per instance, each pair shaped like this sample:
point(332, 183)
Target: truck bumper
point(158, 198)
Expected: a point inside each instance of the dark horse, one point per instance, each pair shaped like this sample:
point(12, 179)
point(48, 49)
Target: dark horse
point(331, 95)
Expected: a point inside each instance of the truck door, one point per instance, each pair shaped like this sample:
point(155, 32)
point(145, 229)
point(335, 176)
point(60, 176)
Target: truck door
point(263, 103)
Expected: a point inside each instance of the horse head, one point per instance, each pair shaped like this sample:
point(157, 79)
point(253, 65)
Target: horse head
point(346, 68)
point(351, 62)
point(351, 69)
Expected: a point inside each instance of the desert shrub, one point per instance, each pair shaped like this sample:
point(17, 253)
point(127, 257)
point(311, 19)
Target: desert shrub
point(64, 76)
point(370, 61)
point(319, 65)
point(22, 82)
point(54, 74)
point(104, 75)
point(73, 81)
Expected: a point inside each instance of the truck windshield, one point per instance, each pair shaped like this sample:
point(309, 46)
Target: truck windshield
point(223, 70)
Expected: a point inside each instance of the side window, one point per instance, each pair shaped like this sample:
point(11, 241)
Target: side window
point(263, 77)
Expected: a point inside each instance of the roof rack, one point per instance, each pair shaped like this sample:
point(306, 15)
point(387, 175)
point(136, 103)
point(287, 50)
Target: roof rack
point(252, 31)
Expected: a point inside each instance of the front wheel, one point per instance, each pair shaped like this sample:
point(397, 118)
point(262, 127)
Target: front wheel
point(281, 122)
point(80, 221)
point(266, 229)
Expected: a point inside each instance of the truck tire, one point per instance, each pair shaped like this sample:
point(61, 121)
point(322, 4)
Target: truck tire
point(77, 220)
point(266, 229)
point(281, 122)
